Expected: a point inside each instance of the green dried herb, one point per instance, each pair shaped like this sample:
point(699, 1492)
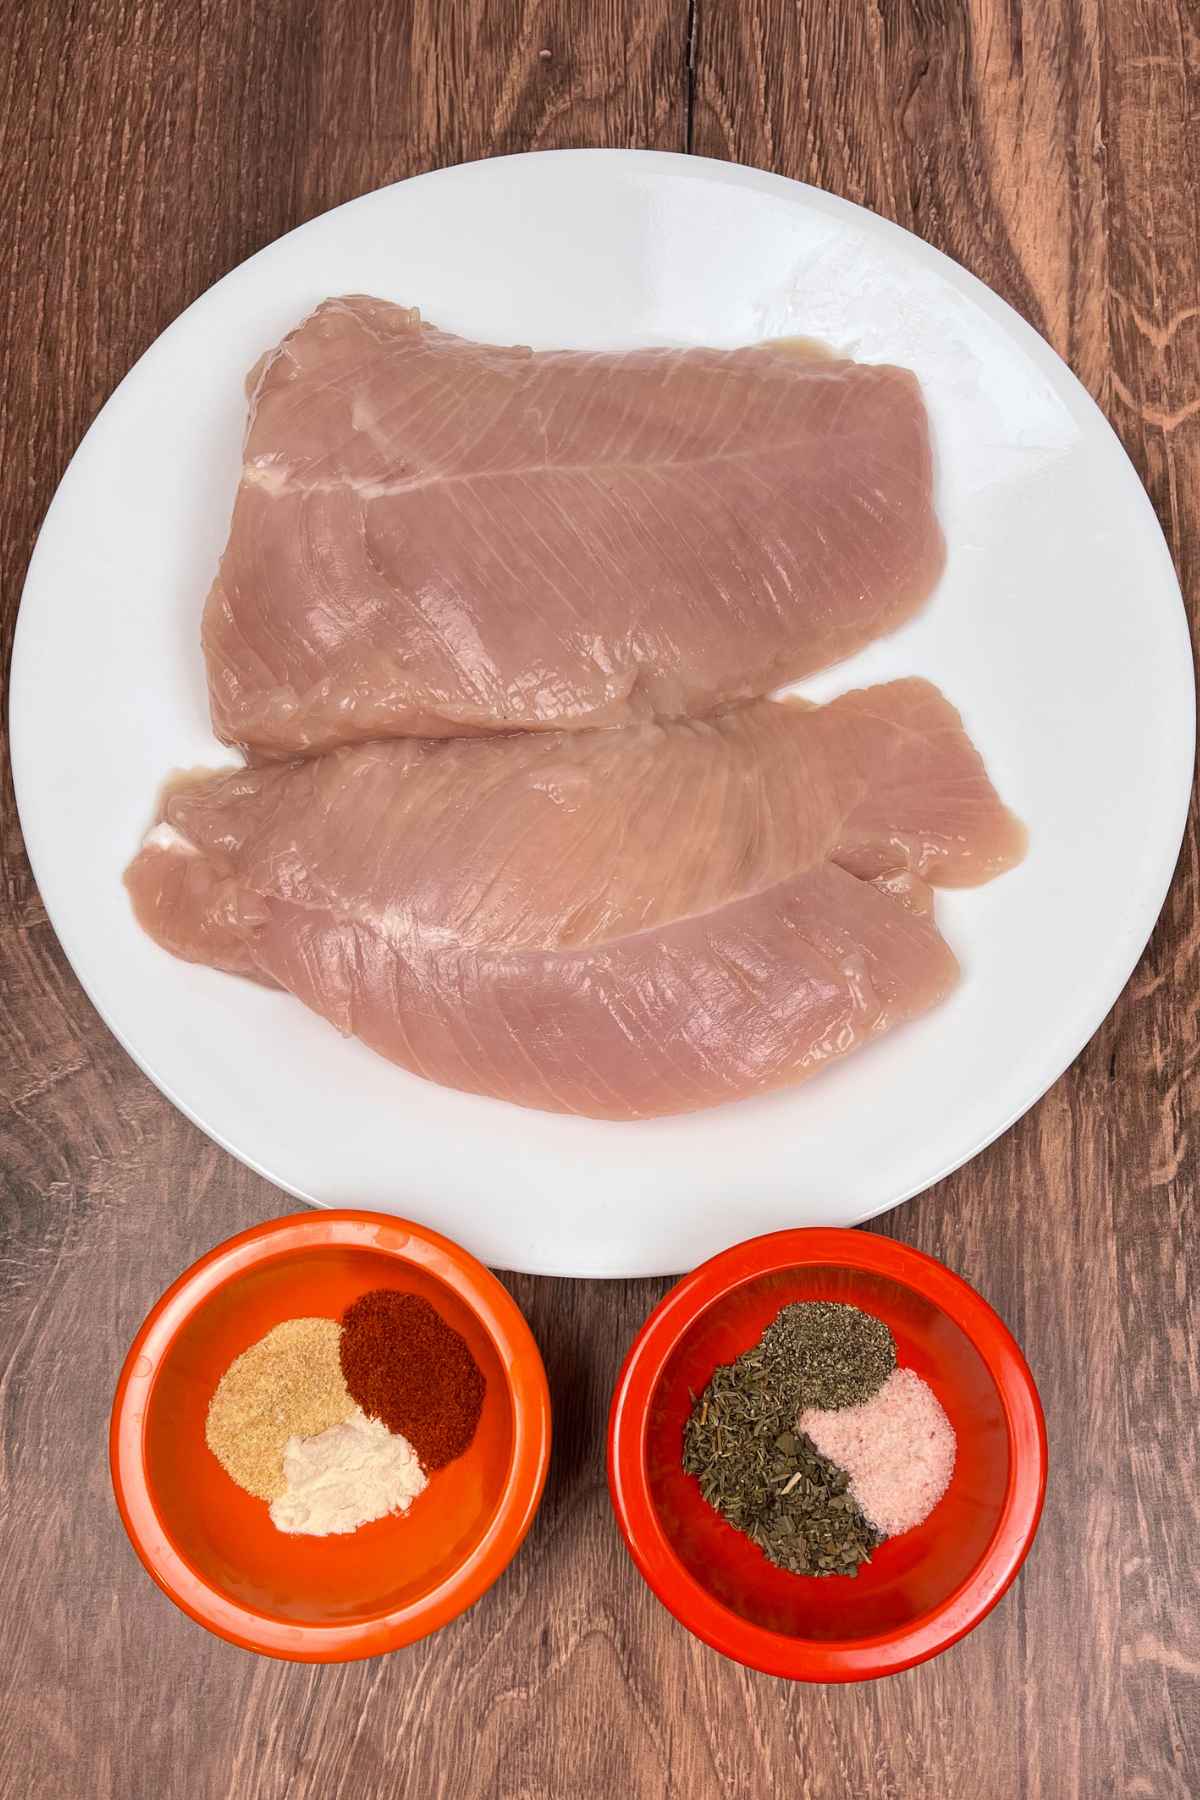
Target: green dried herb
point(757, 1470)
point(827, 1354)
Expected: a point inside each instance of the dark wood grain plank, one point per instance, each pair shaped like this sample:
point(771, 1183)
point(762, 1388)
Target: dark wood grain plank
point(1051, 145)
point(1052, 150)
point(1152, 103)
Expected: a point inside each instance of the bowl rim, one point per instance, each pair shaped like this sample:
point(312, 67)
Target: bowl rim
point(776, 1653)
point(516, 1347)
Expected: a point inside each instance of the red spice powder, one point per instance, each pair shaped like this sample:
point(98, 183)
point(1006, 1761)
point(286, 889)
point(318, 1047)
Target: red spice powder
point(403, 1364)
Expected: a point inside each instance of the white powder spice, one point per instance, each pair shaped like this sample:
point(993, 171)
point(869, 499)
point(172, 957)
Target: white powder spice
point(346, 1476)
point(898, 1449)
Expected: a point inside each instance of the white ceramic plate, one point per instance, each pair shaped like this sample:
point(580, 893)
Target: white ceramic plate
point(1058, 629)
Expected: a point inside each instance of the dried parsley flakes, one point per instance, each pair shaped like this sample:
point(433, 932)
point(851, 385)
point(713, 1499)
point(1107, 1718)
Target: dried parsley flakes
point(826, 1354)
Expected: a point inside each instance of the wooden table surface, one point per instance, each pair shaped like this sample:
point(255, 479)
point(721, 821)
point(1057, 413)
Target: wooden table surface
point(1053, 146)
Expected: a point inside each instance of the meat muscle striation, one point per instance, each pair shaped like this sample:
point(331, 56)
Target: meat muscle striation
point(434, 537)
point(619, 924)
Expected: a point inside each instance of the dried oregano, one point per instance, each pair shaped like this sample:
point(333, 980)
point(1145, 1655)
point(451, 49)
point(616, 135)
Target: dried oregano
point(757, 1470)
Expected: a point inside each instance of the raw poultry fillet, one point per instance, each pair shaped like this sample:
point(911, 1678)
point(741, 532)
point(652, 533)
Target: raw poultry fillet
point(439, 538)
point(620, 924)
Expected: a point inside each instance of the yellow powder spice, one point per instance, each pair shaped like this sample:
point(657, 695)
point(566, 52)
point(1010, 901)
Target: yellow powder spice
point(287, 1385)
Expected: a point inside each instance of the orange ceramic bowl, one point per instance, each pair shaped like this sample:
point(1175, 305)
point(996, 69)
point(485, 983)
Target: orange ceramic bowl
point(212, 1548)
point(921, 1591)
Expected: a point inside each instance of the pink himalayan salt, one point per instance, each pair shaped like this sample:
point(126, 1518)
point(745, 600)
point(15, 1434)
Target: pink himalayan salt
point(897, 1448)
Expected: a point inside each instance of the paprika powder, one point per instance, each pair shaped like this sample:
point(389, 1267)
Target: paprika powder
point(404, 1365)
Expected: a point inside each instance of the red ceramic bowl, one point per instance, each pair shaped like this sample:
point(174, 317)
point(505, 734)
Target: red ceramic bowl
point(212, 1548)
point(922, 1591)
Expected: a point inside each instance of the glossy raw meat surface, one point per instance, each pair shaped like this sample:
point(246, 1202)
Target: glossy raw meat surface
point(434, 537)
point(621, 924)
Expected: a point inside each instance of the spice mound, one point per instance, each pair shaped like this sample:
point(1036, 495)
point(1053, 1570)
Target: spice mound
point(346, 1477)
point(336, 1424)
point(287, 1385)
point(403, 1364)
point(897, 1448)
point(825, 1353)
point(815, 1445)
